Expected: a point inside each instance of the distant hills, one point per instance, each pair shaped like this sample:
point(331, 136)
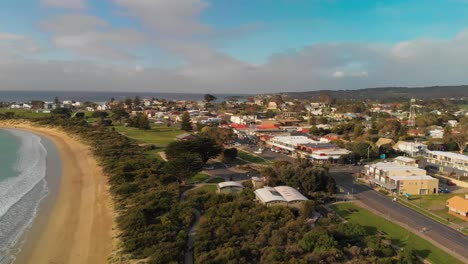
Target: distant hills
point(390, 93)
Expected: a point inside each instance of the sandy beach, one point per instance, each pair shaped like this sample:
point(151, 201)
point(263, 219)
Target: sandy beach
point(79, 228)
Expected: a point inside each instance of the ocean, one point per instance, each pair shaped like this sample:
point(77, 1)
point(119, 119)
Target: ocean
point(24, 96)
point(22, 187)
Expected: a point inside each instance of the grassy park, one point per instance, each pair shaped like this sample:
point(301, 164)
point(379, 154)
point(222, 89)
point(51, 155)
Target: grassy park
point(252, 158)
point(198, 178)
point(24, 113)
point(157, 135)
point(398, 235)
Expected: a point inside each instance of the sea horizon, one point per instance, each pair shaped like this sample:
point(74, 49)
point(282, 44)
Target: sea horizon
point(94, 96)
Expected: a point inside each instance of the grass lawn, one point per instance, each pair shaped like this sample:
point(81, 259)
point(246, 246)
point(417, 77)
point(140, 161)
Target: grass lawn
point(463, 107)
point(436, 204)
point(215, 180)
point(207, 187)
point(158, 135)
point(399, 235)
point(24, 113)
point(251, 158)
point(199, 178)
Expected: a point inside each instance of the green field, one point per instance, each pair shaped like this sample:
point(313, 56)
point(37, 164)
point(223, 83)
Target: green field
point(399, 236)
point(251, 158)
point(436, 204)
point(158, 135)
point(199, 178)
point(207, 187)
point(24, 113)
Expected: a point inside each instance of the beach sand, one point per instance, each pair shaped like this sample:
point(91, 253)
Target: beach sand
point(80, 225)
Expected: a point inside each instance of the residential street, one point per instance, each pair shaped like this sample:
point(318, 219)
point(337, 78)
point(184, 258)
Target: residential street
point(454, 242)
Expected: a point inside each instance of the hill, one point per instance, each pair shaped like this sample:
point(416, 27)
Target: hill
point(390, 93)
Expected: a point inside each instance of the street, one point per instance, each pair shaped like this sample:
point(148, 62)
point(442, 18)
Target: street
point(450, 239)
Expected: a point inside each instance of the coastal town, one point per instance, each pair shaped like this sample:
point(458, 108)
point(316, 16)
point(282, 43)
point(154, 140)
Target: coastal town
point(402, 160)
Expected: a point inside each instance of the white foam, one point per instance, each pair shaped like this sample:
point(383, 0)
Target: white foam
point(31, 167)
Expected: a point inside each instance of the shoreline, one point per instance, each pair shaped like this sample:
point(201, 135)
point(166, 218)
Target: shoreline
point(78, 226)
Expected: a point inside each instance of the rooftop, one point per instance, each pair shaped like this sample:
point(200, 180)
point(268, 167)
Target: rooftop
point(449, 155)
point(230, 184)
point(458, 203)
point(280, 194)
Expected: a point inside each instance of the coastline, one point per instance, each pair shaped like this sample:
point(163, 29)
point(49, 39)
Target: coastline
point(78, 228)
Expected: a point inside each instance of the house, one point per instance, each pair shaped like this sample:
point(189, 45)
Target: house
point(384, 141)
point(448, 162)
point(416, 133)
point(280, 195)
point(272, 106)
point(436, 133)
point(452, 123)
point(406, 161)
point(411, 148)
point(458, 207)
point(229, 187)
point(186, 137)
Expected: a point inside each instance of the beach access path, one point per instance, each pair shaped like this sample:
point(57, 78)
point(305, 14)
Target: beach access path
point(80, 226)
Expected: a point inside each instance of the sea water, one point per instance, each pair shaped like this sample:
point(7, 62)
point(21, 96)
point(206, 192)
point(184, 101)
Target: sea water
point(22, 186)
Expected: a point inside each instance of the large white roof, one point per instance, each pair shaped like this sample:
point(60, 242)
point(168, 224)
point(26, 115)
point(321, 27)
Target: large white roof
point(279, 194)
point(404, 159)
point(400, 178)
point(269, 194)
point(230, 184)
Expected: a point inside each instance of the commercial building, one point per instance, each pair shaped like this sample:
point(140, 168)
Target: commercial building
point(448, 162)
point(401, 179)
point(289, 143)
point(458, 207)
point(229, 187)
point(406, 161)
point(280, 195)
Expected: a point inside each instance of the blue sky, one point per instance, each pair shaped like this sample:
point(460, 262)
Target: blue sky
point(202, 44)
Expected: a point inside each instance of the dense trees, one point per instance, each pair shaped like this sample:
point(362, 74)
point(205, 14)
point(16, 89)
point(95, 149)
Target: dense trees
point(205, 148)
point(302, 175)
point(220, 135)
point(139, 121)
point(209, 98)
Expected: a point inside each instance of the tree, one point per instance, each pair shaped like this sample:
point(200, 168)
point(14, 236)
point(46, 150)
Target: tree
point(228, 155)
point(206, 148)
point(139, 121)
point(100, 114)
point(56, 100)
point(184, 166)
point(209, 98)
point(186, 124)
point(136, 100)
point(61, 112)
point(119, 113)
point(461, 139)
point(220, 135)
point(128, 101)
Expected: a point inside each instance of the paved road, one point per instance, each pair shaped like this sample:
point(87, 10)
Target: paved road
point(268, 154)
point(189, 254)
point(452, 240)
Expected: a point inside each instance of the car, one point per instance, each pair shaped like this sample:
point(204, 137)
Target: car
point(451, 183)
point(258, 151)
point(209, 168)
point(444, 190)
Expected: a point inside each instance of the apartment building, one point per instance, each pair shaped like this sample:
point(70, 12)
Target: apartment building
point(448, 163)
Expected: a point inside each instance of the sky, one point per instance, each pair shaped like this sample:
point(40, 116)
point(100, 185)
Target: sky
point(231, 46)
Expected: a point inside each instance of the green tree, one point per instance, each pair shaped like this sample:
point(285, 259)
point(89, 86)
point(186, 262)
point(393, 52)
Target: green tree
point(206, 148)
point(186, 123)
point(184, 166)
point(136, 100)
point(119, 113)
point(209, 98)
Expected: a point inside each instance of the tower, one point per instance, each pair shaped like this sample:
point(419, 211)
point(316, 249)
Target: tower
point(412, 115)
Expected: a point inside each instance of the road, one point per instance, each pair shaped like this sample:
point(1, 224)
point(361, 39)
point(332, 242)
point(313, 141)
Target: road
point(452, 240)
point(189, 254)
point(268, 154)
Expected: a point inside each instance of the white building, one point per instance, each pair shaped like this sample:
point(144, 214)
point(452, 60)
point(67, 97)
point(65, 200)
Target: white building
point(436, 133)
point(448, 162)
point(280, 195)
point(411, 148)
point(289, 143)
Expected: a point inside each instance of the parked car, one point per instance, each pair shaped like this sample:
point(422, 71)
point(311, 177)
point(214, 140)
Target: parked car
point(444, 190)
point(259, 151)
point(209, 168)
point(451, 183)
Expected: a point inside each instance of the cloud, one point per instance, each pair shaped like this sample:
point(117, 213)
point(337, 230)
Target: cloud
point(92, 37)
point(14, 45)
point(169, 18)
point(65, 4)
